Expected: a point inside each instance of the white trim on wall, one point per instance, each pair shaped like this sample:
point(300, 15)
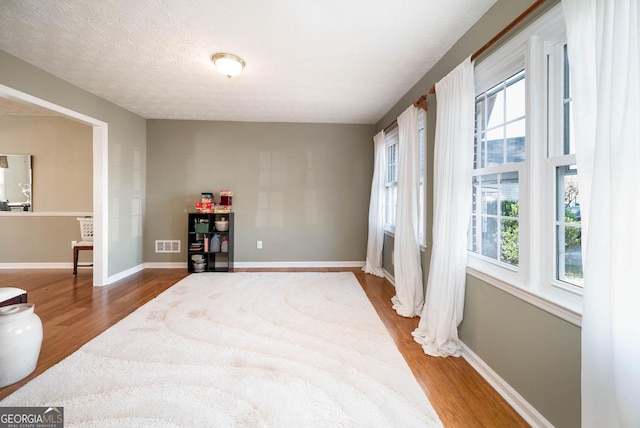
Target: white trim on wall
point(44, 214)
point(125, 273)
point(165, 265)
point(337, 264)
point(529, 297)
point(266, 265)
point(389, 277)
point(56, 265)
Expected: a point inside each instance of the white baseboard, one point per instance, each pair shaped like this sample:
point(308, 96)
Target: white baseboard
point(389, 277)
point(257, 265)
point(45, 214)
point(60, 265)
point(125, 273)
point(179, 265)
point(519, 404)
point(336, 264)
point(165, 265)
point(65, 265)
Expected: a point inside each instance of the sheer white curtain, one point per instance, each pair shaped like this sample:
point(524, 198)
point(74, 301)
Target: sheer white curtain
point(603, 40)
point(373, 263)
point(437, 331)
point(407, 266)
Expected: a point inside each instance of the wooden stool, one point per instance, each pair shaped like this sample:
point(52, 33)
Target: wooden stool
point(86, 231)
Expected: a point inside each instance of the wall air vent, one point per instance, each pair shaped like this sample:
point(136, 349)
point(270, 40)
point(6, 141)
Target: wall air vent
point(167, 246)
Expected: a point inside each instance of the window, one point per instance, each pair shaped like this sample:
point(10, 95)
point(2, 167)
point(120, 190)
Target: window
point(525, 223)
point(391, 182)
point(566, 238)
point(499, 147)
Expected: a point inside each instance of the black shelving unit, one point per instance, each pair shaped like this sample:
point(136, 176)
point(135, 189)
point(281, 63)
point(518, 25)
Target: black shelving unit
point(201, 229)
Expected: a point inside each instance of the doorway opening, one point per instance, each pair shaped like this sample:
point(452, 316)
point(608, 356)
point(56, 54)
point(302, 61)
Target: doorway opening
point(100, 176)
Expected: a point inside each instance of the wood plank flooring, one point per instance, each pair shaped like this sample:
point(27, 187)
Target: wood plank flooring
point(73, 312)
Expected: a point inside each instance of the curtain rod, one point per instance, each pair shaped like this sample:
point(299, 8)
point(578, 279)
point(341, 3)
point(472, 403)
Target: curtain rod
point(421, 103)
point(500, 35)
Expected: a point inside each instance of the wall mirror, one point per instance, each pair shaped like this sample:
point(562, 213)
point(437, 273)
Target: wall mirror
point(15, 183)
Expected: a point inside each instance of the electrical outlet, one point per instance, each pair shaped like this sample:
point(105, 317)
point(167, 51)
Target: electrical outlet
point(73, 243)
point(259, 245)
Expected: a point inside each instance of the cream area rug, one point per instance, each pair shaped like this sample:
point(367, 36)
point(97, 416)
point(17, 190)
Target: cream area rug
point(240, 350)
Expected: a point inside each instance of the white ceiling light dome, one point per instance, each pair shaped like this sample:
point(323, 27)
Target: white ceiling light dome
point(228, 64)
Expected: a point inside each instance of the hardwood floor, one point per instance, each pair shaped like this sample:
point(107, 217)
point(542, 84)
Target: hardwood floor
point(73, 312)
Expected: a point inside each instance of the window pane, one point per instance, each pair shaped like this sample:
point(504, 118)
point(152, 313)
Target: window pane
point(494, 232)
point(471, 232)
point(569, 144)
point(390, 205)
point(495, 108)
point(480, 110)
point(478, 159)
point(489, 237)
point(570, 262)
point(392, 173)
point(490, 194)
point(515, 141)
point(495, 147)
point(509, 249)
point(500, 124)
point(516, 99)
point(509, 197)
point(568, 226)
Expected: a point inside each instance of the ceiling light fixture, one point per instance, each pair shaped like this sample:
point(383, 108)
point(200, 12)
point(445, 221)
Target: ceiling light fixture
point(228, 64)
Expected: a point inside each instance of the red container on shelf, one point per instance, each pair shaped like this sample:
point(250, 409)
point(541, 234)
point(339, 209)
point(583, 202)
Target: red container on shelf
point(204, 207)
point(226, 197)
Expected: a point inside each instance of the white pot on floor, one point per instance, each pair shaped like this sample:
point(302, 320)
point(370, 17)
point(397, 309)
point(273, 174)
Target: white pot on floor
point(20, 342)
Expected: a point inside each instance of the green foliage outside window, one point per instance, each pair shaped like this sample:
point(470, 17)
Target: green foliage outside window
point(510, 251)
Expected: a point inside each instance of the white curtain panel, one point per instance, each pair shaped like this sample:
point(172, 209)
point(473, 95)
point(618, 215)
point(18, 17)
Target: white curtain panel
point(437, 331)
point(407, 265)
point(373, 263)
point(603, 40)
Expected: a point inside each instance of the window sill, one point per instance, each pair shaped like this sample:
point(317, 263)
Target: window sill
point(530, 297)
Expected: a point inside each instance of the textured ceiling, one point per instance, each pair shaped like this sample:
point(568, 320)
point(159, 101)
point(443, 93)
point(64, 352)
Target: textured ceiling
point(329, 61)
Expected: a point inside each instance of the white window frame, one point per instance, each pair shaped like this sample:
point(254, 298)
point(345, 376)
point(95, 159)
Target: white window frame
point(513, 64)
point(391, 138)
point(531, 280)
point(555, 157)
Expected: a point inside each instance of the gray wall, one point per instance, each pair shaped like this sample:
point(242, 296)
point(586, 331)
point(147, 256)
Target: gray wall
point(127, 154)
point(537, 353)
point(303, 189)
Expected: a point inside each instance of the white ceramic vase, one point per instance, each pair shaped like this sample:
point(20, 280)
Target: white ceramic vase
point(20, 342)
